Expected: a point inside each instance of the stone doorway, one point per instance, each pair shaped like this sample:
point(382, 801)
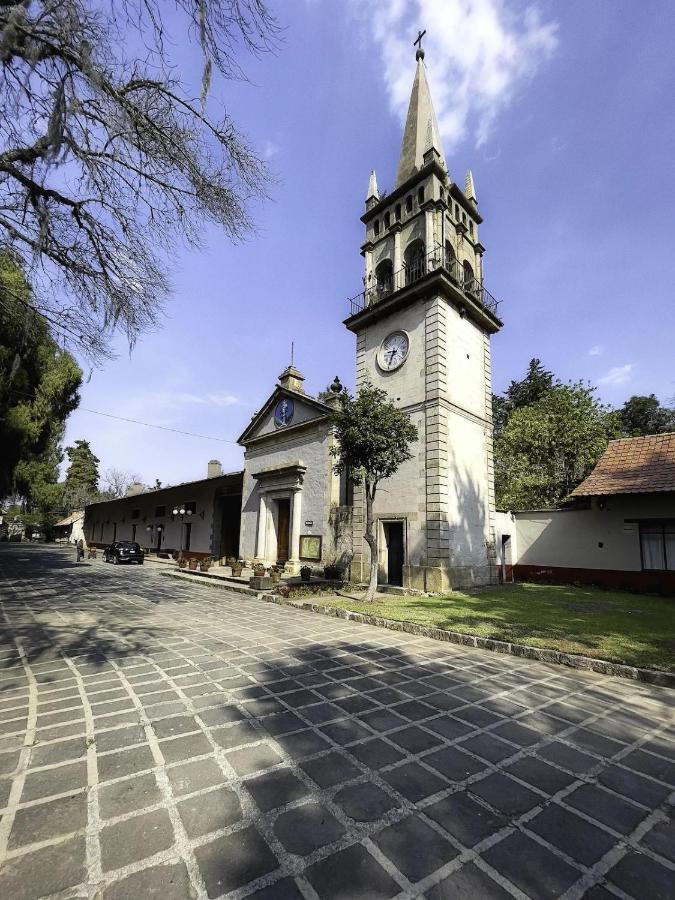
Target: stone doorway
point(283, 529)
point(393, 537)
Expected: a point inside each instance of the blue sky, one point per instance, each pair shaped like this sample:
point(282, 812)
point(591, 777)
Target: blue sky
point(564, 112)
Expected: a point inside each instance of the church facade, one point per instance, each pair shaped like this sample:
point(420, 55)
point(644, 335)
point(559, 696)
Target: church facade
point(422, 328)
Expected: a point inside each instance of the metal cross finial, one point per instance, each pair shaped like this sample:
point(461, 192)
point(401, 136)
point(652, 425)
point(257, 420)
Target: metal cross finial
point(418, 43)
point(292, 352)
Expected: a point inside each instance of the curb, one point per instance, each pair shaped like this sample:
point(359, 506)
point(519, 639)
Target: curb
point(217, 583)
point(571, 660)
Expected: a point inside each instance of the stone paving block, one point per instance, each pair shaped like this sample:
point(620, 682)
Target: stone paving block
point(476, 716)
point(253, 759)
point(382, 720)
point(264, 706)
point(235, 735)
point(415, 739)
point(573, 835)
point(594, 743)
point(448, 727)
point(465, 818)
point(568, 758)
point(303, 743)
point(539, 774)
point(232, 861)
point(163, 882)
point(532, 868)
point(134, 839)
point(330, 769)
point(128, 796)
point(275, 789)
point(467, 883)
point(619, 814)
point(209, 812)
point(518, 734)
point(351, 874)
point(415, 848)
point(44, 872)
point(633, 786)
point(47, 820)
point(365, 802)
point(124, 762)
point(282, 723)
point(285, 889)
point(307, 828)
point(376, 753)
point(195, 776)
point(346, 731)
point(44, 782)
point(649, 764)
point(119, 738)
point(488, 747)
point(47, 754)
point(661, 839)
point(414, 781)
point(186, 747)
point(174, 725)
point(454, 763)
point(637, 874)
point(505, 795)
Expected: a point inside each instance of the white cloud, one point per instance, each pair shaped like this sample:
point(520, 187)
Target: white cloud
point(478, 53)
point(596, 350)
point(270, 149)
point(618, 375)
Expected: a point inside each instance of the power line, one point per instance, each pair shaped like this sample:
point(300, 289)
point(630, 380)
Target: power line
point(96, 412)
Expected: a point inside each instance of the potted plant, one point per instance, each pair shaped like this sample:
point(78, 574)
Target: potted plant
point(259, 570)
point(275, 573)
point(332, 573)
point(305, 573)
point(193, 563)
point(204, 564)
point(236, 568)
point(182, 563)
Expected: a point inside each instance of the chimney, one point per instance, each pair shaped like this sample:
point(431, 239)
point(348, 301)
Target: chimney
point(292, 380)
point(214, 469)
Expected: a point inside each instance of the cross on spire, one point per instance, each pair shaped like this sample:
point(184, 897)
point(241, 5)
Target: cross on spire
point(418, 43)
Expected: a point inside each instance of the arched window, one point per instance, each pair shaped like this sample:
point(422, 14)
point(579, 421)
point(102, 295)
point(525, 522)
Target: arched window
point(384, 278)
point(376, 227)
point(387, 220)
point(397, 212)
point(420, 196)
point(450, 260)
point(469, 279)
point(414, 262)
point(408, 203)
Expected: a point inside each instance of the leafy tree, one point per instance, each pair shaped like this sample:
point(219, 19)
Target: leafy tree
point(83, 467)
point(38, 389)
point(373, 440)
point(642, 415)
point(550, 445)
point(105, 157)
point(532, 387)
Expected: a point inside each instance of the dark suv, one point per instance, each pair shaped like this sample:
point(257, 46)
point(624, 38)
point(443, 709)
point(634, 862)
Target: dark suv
point(123, 551)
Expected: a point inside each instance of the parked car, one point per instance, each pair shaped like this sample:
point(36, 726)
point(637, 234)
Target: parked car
point(123, 551)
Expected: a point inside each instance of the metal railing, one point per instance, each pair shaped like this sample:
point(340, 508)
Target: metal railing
point(386, 285)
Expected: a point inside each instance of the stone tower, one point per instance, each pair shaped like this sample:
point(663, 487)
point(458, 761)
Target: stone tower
point(423, 327)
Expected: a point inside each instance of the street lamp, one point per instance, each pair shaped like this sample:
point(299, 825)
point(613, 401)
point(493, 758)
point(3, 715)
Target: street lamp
point(183, 512)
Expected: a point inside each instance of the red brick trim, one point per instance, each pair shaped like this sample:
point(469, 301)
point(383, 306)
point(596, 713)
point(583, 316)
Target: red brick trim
point(642, 582)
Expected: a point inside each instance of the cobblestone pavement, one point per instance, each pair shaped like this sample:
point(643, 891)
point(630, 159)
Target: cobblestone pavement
point(167, 740)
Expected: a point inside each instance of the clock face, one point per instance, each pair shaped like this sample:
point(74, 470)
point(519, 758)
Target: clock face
point(393, 351)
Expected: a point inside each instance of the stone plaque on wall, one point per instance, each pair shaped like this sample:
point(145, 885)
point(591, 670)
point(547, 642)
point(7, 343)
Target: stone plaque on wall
point(310, 546)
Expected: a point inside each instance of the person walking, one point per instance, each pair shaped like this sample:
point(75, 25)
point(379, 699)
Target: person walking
point(80, 549)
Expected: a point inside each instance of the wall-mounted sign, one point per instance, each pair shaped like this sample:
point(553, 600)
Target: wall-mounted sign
point(283, 412)
point(309, 523)
point(310, 546)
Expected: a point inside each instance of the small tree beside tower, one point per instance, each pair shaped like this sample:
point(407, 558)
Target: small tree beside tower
point(373, 440)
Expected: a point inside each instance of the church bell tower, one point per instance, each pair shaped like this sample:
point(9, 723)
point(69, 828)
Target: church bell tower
point(423, 325)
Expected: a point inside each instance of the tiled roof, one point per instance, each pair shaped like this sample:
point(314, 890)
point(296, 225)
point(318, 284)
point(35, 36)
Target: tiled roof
point(640, 465)
point(70, 520)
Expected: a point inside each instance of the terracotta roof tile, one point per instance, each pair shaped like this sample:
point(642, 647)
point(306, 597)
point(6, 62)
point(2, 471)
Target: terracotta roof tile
point(639, 465)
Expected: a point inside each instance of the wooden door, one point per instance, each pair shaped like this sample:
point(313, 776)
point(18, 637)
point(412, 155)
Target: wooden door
point(283, 528)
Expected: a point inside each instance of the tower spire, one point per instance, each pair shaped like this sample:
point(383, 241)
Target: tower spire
point(421, 132)
point(373, 192)
point(469, 189)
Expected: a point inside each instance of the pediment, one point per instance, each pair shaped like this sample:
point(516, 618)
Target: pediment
point(297, 409)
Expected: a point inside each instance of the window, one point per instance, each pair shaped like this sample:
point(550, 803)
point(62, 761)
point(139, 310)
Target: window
point(420, 196)
point(442, 194)
point(470, 227)
point(376, 227)
point(414, 262)
point(387, 220)
point(384, 277)
point(133, 532)
point(457, 212)
point(160, 512)
point(464, 218)
point(408, 203)
point(191, 507)
point(397, 212)
point(657, 545)
point(135, 513)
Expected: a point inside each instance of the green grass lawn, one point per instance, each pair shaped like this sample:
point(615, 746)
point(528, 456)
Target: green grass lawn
point(619, 627)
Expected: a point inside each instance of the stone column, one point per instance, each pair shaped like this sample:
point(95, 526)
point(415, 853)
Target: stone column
point(368, 256)
point(429, 231)
point(296, 515)
point(397, 255)
point(262, 529)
